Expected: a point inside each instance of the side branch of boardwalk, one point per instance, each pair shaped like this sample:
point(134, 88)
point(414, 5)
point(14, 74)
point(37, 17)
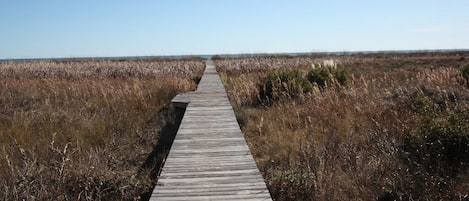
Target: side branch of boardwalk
point(209, 158)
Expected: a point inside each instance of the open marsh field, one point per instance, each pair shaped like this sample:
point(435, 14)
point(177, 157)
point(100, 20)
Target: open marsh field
point(320, 127)
point(355, 127)
point(86, 130)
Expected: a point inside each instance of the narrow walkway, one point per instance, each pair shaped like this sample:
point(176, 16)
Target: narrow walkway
point(209, 159)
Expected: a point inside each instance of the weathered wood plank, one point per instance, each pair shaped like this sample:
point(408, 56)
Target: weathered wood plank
point(209, 159)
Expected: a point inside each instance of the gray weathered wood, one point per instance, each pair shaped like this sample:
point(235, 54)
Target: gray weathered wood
point(209, 159)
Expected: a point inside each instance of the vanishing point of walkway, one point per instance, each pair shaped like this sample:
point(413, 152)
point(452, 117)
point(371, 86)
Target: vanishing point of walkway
point(209, 158)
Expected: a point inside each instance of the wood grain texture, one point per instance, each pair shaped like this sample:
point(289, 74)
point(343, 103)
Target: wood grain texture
point(209, 159)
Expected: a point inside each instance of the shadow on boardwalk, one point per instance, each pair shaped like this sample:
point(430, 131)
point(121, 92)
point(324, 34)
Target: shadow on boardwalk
point(155, 161)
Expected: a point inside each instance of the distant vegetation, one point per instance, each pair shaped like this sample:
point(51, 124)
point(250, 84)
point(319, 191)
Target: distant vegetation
point(355, 127)
point(83, 130)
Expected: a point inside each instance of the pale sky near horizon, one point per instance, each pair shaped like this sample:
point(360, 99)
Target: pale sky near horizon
point(86, 28)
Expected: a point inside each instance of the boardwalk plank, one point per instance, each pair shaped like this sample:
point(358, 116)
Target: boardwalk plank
point(209, 159)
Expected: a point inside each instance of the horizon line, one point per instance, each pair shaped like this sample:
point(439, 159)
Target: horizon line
point(208, 55)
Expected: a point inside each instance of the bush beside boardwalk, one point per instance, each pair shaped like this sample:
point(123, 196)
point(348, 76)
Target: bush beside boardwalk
point(397, 130)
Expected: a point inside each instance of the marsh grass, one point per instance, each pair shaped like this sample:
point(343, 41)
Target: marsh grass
point(352, 143)
point(82, 131)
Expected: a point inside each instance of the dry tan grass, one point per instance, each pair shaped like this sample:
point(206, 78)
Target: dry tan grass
point(104, 68)
point(343, 143)
point(82, 131)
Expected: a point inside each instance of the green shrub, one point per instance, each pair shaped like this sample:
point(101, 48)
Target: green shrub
point(319, 76)
point(292, 83)
point(322, 76)
point(465, 74)
point(283, 84)
point(342, 75)
point(441, 143)
point(422, 104)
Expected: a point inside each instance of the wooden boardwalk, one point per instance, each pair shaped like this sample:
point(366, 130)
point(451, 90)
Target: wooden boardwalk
point(209, 158)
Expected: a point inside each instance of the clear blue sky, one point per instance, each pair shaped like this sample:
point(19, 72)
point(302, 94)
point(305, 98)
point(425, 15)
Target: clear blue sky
point(57, 28)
